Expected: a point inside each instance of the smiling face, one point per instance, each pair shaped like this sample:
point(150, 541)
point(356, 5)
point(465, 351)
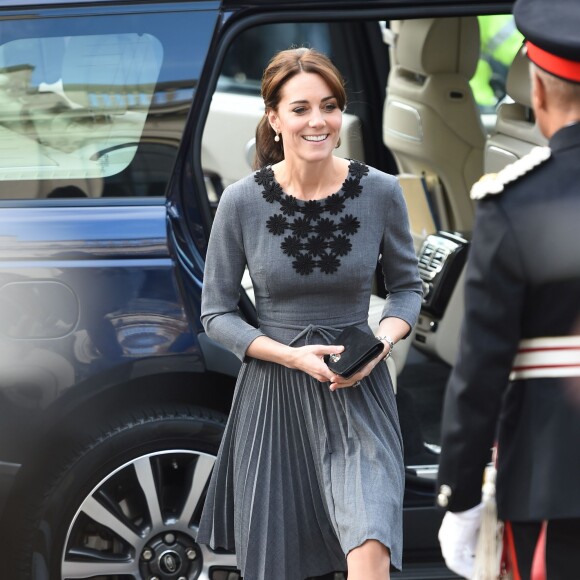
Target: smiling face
point(308, 118)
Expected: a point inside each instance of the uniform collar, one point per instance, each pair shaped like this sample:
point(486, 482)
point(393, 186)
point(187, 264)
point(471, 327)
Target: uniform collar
point(568, 136)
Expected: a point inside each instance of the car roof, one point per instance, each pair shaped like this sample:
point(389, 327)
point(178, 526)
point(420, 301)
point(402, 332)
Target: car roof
point(8, 4)
point(358, 3)
point(278, 4)
point(490, 5)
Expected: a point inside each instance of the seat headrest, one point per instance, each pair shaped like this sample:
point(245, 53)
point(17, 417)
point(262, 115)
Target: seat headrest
point(438, 45)
point(518, 82)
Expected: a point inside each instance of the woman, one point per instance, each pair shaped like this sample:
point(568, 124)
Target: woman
point(309, 478)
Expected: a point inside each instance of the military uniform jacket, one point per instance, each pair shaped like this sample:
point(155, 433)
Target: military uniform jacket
point(522, 282)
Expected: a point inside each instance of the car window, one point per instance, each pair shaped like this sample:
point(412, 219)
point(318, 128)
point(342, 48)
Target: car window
point(500, 41)
point(228, 141)
point(95, 106)
point(250, 52)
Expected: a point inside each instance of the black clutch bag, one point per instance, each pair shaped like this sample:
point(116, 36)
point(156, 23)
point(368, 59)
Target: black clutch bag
point(359, 349)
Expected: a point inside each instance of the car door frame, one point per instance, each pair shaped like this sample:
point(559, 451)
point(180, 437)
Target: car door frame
point(421, 517)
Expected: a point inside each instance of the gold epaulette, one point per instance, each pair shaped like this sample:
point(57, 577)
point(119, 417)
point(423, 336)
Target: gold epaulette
point(494, 183)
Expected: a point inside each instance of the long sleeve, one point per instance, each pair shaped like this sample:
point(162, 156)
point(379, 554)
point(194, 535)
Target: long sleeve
point(399, 262)
point(494, 297)
point(224, 268)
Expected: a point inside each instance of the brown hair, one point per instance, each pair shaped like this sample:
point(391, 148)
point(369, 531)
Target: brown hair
point(282, 67)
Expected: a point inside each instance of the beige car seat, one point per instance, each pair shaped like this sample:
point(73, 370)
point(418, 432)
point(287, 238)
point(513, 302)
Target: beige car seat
point(431, 121)
point(516, 131)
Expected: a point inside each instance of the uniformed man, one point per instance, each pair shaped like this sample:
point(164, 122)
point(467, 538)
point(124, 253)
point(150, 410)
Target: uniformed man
point(517, 377)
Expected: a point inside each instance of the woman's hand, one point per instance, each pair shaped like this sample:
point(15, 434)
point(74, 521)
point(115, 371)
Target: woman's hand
point(338, 382)
point(392, 327)
point(309, 359)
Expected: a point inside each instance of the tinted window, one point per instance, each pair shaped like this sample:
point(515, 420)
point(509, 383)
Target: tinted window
point(95, 106)
point(228, 141)
point(250, 52)
point(500, 41)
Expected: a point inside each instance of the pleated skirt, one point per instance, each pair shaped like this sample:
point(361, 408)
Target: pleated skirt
point(304, 475)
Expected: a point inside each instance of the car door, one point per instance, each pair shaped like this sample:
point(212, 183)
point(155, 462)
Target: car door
point(94, 98)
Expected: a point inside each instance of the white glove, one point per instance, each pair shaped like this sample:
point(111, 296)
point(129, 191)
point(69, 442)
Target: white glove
point(458, 539)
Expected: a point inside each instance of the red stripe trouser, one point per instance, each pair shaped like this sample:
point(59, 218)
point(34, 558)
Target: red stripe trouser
point(537, 551)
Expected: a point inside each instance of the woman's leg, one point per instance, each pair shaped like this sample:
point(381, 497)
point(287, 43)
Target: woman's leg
point(369, 561)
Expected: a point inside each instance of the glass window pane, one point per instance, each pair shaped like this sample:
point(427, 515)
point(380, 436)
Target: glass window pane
point(82, 100)
point(72, 126)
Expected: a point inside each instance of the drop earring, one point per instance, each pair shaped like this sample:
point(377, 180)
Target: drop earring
point(277, 138)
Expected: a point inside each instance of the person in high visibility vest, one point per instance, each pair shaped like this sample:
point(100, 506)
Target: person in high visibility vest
point(500, 40)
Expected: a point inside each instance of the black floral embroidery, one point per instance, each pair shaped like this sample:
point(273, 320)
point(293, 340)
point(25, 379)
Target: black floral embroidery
point(316, 245)
point(291, 246)
point(263, 176)
point(329, 264)
point(301, 227)
point(312, 209)
point(272, 192)
point(358, 169)
point(335, 204)
point(351, 188)
point(325, 228)
point(289, 205)
point(340, 245)
point(277, 224)
point(315, 241)
point(304, 264)
point(349, 225)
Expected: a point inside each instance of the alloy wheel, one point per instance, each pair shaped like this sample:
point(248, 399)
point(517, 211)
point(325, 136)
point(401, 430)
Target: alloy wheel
point(140, 522)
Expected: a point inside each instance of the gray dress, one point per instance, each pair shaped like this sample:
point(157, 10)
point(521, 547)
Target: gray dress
point(303, 474)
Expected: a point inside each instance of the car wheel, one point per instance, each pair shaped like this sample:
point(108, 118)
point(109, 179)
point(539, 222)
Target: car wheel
point(126, 505)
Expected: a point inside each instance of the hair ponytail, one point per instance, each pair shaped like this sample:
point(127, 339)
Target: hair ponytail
point(268, 151)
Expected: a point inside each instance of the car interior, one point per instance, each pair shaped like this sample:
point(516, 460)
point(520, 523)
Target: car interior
point(515, 133)
point(442, 143)
point(429, 102)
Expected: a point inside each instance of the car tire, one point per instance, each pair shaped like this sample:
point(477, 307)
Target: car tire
point(124, 503)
